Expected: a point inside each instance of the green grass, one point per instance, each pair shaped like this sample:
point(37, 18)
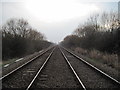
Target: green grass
point(95, 60)
point(4, 62)
point(91, 60)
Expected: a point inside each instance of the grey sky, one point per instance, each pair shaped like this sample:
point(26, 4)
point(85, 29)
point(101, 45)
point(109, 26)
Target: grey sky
point(54, 31)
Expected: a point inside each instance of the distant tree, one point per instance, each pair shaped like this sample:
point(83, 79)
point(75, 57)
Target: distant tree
point(71, 41)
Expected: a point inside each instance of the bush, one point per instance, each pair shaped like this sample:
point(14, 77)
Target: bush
point(111, 60)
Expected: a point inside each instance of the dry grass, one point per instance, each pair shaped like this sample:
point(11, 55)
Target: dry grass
point(110, 60)
point(81, 51)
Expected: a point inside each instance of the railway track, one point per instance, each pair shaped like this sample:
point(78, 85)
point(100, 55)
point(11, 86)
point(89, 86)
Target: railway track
point(58, 68)
point(91, 76)
point(22, 75)
point(55, 73)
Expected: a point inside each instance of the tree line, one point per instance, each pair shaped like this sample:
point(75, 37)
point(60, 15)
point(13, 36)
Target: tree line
point(100, 31)
point(20, 39)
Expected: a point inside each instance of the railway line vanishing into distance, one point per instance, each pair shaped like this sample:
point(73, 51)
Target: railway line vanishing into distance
point(57, 67)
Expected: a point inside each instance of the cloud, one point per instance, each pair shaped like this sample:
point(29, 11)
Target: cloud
point(59, 10)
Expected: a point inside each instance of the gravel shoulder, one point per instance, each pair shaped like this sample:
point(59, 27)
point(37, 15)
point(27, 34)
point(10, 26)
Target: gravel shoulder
point(14, 63)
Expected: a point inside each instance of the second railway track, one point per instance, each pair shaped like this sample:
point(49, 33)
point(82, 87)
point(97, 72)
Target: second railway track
point(91, 76)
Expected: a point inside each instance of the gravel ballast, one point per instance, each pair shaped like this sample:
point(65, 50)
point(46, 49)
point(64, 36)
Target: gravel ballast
point(56, 74)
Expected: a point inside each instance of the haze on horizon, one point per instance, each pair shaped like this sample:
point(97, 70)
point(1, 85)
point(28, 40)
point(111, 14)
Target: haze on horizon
point(54, 18)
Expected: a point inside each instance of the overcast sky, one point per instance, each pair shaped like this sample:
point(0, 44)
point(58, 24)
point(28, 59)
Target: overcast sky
point(54, 18)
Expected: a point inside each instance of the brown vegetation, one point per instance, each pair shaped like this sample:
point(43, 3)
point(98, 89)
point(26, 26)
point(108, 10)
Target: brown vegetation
point(101, 57)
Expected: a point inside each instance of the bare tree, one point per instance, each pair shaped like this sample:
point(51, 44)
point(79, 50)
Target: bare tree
point(109, 21)
point(20, 27)
point(19, 38)
point(93, 21)
point(34, 35)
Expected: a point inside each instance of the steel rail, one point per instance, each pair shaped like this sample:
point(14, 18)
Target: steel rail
point(26, 63)
point(39, 71)
point(73, 70)
point(95, 68)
